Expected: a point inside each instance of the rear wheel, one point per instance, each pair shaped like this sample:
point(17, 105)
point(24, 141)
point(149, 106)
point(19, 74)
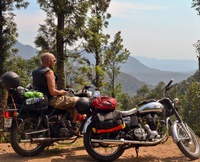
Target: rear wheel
point(188, 142)
point(101, 151)
point(21, 143)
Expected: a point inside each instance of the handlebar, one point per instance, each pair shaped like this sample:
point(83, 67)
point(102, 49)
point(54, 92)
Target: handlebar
point(169, 86)
point(82, 93)
point(170, 82)
point(69, 90)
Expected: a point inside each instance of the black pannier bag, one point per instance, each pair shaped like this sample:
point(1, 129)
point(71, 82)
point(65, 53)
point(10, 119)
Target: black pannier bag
point(108, 122)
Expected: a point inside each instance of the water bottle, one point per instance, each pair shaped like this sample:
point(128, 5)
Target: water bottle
point(97, 94)
point(32, 100)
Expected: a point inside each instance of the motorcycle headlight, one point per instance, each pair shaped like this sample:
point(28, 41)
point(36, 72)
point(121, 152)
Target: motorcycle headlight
point(176, 100)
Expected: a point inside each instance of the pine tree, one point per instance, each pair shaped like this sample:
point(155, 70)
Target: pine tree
point(114, 55)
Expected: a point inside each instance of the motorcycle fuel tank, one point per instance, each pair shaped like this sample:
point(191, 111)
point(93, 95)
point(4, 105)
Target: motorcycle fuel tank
point(152, 107)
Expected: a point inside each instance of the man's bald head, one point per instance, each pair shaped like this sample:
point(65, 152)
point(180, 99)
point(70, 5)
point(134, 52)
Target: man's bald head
point(46, 57)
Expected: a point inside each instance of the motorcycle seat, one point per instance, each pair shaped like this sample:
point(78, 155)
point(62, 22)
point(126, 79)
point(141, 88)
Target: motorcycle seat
point(128, 112)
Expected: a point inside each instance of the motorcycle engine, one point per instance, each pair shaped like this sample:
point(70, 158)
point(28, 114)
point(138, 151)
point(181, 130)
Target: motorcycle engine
point(149, 131)
point(152, 121)
point(140, 134)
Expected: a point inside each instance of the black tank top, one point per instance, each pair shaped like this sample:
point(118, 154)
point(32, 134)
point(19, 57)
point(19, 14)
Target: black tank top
point(40, 80)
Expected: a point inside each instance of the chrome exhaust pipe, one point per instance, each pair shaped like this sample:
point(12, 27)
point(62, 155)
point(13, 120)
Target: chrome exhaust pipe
point(39, 140)
point(44, 140)
point(122, 141)
point(36, 140)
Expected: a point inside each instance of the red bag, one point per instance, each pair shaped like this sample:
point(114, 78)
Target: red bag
point(104, 103)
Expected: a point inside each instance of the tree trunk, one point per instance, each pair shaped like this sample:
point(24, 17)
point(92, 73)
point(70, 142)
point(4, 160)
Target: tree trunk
point(1, 41)
point(2, 59)
point(97, 73)
point(113, 85)
point(60, 52)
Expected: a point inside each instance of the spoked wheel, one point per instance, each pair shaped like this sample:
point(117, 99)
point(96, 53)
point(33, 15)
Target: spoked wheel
point(188, 142)
point(101, 151)
point(21, 143)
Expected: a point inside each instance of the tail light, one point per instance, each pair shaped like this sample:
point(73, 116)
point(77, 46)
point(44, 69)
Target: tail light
point(9, 113)
point(80, 117)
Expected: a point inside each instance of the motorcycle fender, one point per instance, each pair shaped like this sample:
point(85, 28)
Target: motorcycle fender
point(167, 123)
point(87, 123)
point(174, 132)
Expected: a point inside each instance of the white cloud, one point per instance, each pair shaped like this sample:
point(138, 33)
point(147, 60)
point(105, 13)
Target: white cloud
point(125, 9)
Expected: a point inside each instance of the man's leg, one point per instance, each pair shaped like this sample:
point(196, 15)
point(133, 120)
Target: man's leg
point(75, 128)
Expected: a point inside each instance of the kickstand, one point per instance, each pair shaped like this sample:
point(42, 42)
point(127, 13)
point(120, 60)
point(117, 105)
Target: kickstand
point(137, 150)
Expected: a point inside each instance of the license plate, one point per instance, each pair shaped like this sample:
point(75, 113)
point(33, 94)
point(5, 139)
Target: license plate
point(7, 122)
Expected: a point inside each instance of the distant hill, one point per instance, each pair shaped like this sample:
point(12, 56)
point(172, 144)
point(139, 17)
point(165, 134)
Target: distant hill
point(149, 75)
point(26, 51)
point(129, 83)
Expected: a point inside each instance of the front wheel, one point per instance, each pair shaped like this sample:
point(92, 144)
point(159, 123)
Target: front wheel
point(101, 151)
point(188, 142)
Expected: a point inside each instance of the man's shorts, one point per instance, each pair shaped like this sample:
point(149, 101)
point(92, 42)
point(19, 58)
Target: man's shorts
point(62, 102)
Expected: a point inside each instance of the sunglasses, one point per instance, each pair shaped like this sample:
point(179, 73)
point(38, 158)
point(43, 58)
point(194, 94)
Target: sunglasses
point(53, 60)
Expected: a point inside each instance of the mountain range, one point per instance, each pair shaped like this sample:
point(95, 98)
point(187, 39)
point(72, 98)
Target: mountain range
point(138, 70)
point(169, 65)
point(150, 75)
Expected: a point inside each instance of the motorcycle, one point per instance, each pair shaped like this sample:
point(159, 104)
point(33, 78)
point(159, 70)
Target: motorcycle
point(147, 125)
point(33, 127)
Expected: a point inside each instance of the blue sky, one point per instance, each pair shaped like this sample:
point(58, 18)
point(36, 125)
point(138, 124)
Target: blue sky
point(162, 29)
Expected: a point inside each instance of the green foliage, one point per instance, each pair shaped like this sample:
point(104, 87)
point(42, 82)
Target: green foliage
point(124, 101)
point(145, 93)
point(157, 91)
point(191, 106)
point(114, 55)
point(78, 71)
point(196, 5)
point(8, 29)
point(94, 37)
point(142, 94)
point(22, 67)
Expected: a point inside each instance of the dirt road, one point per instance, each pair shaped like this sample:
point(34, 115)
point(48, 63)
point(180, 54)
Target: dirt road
point(167, 152)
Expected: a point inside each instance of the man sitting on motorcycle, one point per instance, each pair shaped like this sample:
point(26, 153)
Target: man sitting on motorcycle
point(44, 80)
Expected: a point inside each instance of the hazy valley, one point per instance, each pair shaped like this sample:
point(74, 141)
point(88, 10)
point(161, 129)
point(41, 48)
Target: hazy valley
point(139, 70)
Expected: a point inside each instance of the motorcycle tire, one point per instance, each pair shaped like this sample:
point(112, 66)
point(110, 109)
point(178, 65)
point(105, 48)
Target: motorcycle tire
point(93, 148)
point(189, 146)
point(25, 149)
